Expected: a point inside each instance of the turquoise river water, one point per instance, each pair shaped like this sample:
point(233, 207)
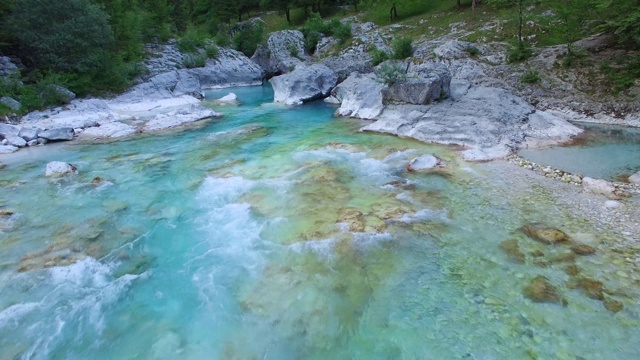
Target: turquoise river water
point(285, 233)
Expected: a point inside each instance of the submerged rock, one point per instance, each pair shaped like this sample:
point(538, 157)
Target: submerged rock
point(353, 218)
point(7, 149)
point(614, 306)
point(541, 290)
point(304, 84)
point(544, 234)
point(57, 168)
point(512, 249)
point(582, 249)
point(592, 288)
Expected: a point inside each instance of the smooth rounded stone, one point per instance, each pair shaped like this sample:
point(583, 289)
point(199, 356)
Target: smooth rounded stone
point(541, 290)
point(635, 178)
point(11, 103)
point(545, 234)
point(29, 133)
point(598, 186)
point(583, 249)
point(15, 140)
point(303, 84)
point(424, 162)
point(7, 149)
point(57, 168)
point(612, 204)
point(359, 96)
point(57, 134)
point(230, 97)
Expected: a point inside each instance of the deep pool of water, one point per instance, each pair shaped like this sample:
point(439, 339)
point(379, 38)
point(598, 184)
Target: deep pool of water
point(602, 151)
point(284, 233)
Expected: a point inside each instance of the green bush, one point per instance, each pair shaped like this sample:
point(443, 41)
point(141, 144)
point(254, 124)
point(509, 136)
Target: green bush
point(248, 39)
point(191, 61)
point(315, 27)
point(519, 53)
point(378, 56)
point(311, 41)
point(193, 38)
point(391, 74)
point(402, 48)
point(530, 77)
point(64, 35)
point(472, 51)
point(212, 51)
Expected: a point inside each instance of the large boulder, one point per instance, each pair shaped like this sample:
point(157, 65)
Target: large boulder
point(635, 178)
point(284, 50)
point(6, 129)
point(598, 186)
point(29, 133)
point(15, 140)
point(359, 96)
point(229, 68)
point(491, 121)
point(424, 83)
point(7, 67)
point(11, 103)
point(58, 168)
point(305, 83)
point(57, 134)
point(353, 59)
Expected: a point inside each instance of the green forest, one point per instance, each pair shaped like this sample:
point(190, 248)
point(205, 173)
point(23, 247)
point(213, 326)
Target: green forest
point(94, 47)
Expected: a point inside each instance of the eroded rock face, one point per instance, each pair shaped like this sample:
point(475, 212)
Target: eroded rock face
point(350, 60)
point(359, 96)
point(229, 68)
point(304, 84)
point(58, 168)
point(284, 51)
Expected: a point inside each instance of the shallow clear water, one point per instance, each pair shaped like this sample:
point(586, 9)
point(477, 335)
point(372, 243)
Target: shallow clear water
point(603, 151)
point(284, 233)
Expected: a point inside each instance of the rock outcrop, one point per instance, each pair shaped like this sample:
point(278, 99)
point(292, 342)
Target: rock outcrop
point(359, 96)
point(284, 51)
point(490, 121)
point(353, 59)
point(424, 84)
point(304, 84)
point(57, 134)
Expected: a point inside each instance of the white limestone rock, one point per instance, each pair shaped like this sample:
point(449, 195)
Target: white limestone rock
point(59, 168)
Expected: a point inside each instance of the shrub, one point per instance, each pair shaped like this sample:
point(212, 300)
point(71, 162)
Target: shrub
point(293, 50)
point(315, 27)
point(212, 51)
point(247, 39)
point(311, 41)
point(530, 77)
point(391, 74)
point(64, 35)
point(191, 61)
point(472, 51)
point(378, 56)
point(519, 53)
point(402, 48)
point(192, 40)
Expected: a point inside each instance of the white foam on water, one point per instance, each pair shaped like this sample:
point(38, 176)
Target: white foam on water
point(216, 192)
point(74, 307)
point(425, 215)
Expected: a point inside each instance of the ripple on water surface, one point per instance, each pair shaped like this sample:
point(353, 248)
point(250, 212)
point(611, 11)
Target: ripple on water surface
point(282, 233)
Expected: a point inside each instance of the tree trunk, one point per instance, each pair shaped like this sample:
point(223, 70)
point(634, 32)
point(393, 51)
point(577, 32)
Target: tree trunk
point(473, 4)
point(520, 23)
point(459, 5)
point(288, 15)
